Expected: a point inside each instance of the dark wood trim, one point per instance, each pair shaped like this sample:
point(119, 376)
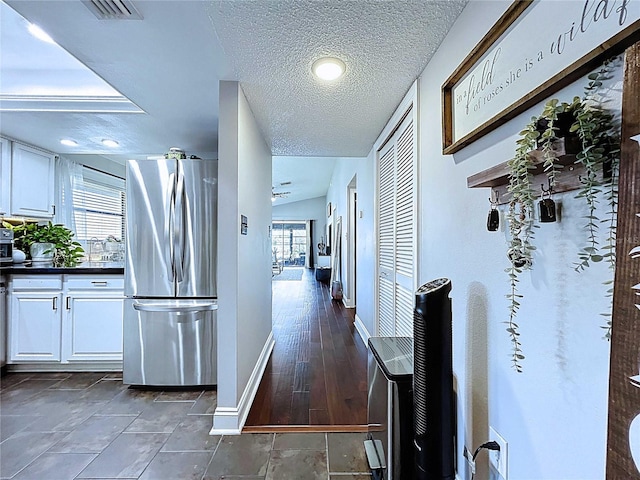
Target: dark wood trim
point(305, 428)
point(624, 398)
point(501, 26)
point(497, 177)
point(614, 46)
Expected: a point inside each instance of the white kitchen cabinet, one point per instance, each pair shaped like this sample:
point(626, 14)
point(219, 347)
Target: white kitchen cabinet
point(34, 320)
point(66, 319)
point(5, 176)
point(32, 191)
point(93, 320)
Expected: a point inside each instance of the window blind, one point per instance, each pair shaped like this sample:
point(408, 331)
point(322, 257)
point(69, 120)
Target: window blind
point(99, 207)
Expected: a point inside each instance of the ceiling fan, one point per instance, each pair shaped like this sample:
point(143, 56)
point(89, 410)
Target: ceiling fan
point(275, 194)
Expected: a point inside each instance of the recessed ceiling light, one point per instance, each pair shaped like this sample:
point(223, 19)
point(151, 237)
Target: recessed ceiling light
point(328, 68)
point(40, 34)
point(109, 143)
point(68, 142)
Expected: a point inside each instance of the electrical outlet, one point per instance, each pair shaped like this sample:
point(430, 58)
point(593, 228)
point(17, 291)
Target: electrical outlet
point(498, 459)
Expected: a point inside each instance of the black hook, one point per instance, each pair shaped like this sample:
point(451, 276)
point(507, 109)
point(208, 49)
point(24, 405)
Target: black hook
point(546, 191)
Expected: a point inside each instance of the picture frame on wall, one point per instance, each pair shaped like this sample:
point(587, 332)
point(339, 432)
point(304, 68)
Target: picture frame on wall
point(524, 59)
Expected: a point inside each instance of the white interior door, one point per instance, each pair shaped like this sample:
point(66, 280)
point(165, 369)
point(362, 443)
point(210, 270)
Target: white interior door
point(396, 231)
point(386, 241)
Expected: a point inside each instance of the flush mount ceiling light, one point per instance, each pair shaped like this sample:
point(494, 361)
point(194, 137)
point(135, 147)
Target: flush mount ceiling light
point(40, 34)
point(110, 143)
point(328, 68)
point(68, 142)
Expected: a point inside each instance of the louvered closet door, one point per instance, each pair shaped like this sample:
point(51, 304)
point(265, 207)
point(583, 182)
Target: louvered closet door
point(396, 220)
point(386, 241)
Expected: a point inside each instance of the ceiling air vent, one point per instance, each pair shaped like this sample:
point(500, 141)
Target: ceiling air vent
point(113, 9)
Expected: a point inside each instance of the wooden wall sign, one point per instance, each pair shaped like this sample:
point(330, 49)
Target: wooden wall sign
point(623, 436)
point(529, 54)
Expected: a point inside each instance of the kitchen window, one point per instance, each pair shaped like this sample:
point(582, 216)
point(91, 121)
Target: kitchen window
point(99, 206)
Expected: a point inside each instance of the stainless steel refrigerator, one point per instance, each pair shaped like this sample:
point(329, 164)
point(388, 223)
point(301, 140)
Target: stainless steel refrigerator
point(170, 273)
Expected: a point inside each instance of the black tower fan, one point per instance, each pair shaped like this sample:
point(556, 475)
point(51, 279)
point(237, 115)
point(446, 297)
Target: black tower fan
point(433, 399)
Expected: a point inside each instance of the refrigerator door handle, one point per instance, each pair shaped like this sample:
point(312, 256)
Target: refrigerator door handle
point(172, 307)
point(179, 230)
point(169, 221)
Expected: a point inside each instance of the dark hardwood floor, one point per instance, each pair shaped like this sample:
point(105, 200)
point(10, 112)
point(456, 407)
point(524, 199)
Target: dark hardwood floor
point(316, 378)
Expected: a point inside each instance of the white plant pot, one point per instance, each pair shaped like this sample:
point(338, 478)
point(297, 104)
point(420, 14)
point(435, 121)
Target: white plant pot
point(42, 252)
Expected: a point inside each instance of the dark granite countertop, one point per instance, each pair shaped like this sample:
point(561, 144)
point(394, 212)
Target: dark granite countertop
point(91, 268)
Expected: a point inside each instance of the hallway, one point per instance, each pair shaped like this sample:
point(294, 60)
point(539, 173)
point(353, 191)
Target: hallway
point(316, 378)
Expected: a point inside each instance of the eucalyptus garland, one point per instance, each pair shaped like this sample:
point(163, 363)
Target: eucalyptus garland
point(600, 156)
point(550, 114)
point(599, 149)
point(520, 219)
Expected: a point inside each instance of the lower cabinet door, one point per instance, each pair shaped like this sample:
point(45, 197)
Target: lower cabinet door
point(93, 328)
point(35, 327)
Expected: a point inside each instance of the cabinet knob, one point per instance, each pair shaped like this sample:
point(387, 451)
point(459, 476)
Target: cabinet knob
point(55, 303)
point(99, 284)
point(68, 303)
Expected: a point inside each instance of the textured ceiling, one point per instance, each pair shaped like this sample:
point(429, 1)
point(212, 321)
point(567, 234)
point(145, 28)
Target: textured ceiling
point(170, 62)
point(385, 45)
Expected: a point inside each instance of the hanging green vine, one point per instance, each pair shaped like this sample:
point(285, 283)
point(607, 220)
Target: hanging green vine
point(599, 154)
point(540, 131)
point(550, 114)
point(520, 219)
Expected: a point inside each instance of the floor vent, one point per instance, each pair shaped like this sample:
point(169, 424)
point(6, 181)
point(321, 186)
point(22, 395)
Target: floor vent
point(113, 9)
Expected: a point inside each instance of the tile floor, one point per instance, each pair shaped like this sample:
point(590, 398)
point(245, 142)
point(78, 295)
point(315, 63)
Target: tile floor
point(59, 426)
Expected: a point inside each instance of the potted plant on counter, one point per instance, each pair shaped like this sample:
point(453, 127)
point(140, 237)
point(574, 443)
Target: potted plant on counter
point(62, 250)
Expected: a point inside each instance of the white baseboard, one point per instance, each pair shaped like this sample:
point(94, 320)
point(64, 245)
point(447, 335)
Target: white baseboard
point(230, 420)
point(362, 330)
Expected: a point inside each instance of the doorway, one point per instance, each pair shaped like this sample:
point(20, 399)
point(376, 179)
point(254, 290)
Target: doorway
point(289, 243)
point(396, 227)
point(351, 234)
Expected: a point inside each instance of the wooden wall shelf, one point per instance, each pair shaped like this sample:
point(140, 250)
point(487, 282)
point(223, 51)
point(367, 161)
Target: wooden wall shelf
point(497, 177)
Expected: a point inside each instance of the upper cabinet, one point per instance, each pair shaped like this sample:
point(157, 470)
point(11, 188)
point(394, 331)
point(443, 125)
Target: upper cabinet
point(32, 182)
point(5, 175)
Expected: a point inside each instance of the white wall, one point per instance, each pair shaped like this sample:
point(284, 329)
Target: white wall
point(244, 261)
point(553, 415)
point(311, 209)
point(344, 171)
